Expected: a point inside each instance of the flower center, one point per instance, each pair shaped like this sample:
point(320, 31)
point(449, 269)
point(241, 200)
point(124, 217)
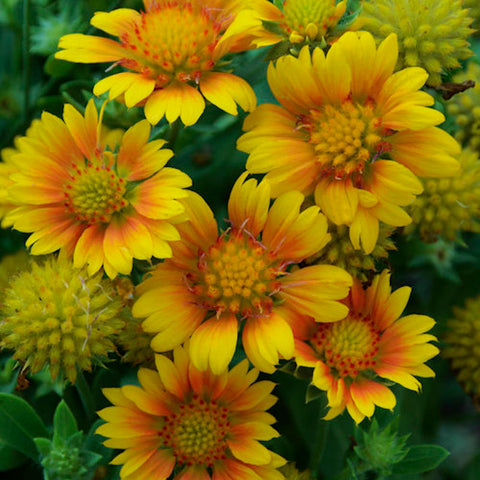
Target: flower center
point(348, 347)
point(197, 432)
point(173, 40)
point(94, 193)
point(346, 138)
point(310, 18)
point(238, 275)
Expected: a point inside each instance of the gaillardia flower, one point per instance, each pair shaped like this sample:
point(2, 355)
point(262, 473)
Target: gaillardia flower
point(168, 51)
point(355, 357)
point(449, 205)
point(105, 206)
point(432, 34)
point(56, 315)
point(462, 337)
point(351, 131)
point(214, 281)
point(192, 425)
point(297, 22)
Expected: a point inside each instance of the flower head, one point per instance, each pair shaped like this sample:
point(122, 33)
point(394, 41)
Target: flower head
point(297, 22)
point(214, 281)
point(449, 205)
point(474, 12)
point(352, 358)
point(167, 51)
point(432, 35)
point(105, 206)
point(462, 339)
point(196, 424)
point(351, 131)
point(465, 108)
point(54, 314)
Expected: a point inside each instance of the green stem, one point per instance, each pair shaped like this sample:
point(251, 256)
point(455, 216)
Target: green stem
point(26, 60)
point(174, 131)
point(85, 395)
point(320, 443)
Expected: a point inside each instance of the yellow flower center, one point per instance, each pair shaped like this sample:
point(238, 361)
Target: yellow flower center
point(94, 193)
point(197, 432)
point(346, 138)
point(348, 347)
point(310, 18)
point(238, 275)
point(173, 40)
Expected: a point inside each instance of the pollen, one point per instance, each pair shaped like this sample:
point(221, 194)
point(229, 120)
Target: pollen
point(172, 40)
point(346, 139)
point(348, 347)
point(310, 19)
point(94, 193)
point(238, 275)
point(197, 432)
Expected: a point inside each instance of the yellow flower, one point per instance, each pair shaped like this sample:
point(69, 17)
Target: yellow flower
point(462, 340)
point(56, 315)
point(351, 131)
point(214, 282)
point(167, 51)
point(431, 34)
point(103, 205)
point(353, 358)
point(474, 12)
point(297, 22)
point(192, 425)
point(465, 108)
point(449, 205)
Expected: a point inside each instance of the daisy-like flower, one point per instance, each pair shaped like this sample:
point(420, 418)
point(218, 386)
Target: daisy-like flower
point(354, 357)
point(168, 51)
point(105, 206)
point(350, 131)
point(194, 425)
point(212, 281)
point(297, 22)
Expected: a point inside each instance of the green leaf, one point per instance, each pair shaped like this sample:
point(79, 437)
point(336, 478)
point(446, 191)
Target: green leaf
point(10, 458)
point(44, 445)
point(57, 68)
point(64, 423)
point(20, 424)
point(421, 458)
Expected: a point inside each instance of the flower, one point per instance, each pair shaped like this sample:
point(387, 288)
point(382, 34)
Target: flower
point(194, 425)
point(463, 334)
point(354, 357)
point(168, 50)
point(449, 205)
point(292, 473)
point(105, 206)
point(54, 314)
point(465, 108)
point(212, 281)
point(296, 22)
point(432, 35)
point(7, 168)
point(474, 12)
point(351, 131)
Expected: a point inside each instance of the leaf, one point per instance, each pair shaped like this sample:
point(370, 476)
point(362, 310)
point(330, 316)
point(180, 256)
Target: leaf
point(10, 458)
point(20, 424)
point(64, 423)
point(44, 445)
point(421, 458)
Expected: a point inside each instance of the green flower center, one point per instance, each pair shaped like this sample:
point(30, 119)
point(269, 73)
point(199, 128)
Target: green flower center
point(94, 193)
point(348, 347)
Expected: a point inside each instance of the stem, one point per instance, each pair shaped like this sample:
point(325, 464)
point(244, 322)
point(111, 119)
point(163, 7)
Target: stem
point(174, 131)
point(26, 60)
point(85, 395)
point(320, 443)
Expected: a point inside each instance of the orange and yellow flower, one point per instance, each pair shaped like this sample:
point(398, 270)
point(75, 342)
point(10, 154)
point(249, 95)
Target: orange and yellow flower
point(297, 22)
point(355, 357)
point(168, 51)
point(194, 425)
point(350, 131)
point(214, 281)
point(105, 206)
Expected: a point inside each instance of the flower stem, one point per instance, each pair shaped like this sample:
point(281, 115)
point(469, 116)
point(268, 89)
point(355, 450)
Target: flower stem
point(85, 395)
point(26, 60)
point(320, 443)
